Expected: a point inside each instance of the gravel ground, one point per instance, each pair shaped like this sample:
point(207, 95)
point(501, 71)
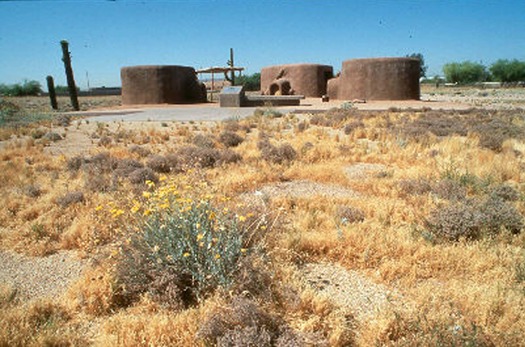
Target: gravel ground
point(40, 277)
point(349, 289)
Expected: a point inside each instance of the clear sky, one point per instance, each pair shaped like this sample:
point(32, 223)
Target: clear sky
point(107, 35)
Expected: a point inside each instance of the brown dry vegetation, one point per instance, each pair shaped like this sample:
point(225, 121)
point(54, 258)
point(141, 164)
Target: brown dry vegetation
point(426, 208)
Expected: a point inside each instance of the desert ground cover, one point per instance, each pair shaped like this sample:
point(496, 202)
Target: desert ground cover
point(340, 228)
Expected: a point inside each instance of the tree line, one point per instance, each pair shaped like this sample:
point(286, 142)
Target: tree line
point(503, 70)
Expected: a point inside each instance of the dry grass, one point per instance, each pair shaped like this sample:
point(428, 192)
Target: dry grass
point(397, 174)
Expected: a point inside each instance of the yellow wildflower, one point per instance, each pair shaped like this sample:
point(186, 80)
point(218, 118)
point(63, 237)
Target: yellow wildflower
point(147, 195)
point(163, 178)
point(199, 237)
point(217, 256)
point(243, 250)
point(241, 218)
point(185, 255)
point(147, 212)
point(150, 183)
point(98, 208)
point(197, 225)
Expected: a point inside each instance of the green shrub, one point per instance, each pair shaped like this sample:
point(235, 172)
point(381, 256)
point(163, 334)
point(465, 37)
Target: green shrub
point(505, 70)
point(465, 72)
point(250, 82)
point(185, 249)
point(27, 88)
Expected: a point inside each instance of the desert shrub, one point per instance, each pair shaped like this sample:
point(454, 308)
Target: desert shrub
point(230, 139)
point(498, 214)
point(267, 112)
point(242, 323)
point(139, 150)
point(449, 189)
point(38, 133)
point(302, 126)
point(231, 125)
point(284, 153)
point(142, 175)
point(124, 167)
point(70, 198)
point(333, 117)
point(52, 136)
point(474, 218)
point(105, 141)
point(227, 156)
point(158, 164)
point(496, 131)
point(175, 162)
point(469, 181)
point(32, 190)
point(352, 126)
point(63, 120)
point(349, 214)
point(185, 250)
point(194, 156)
point(203, 141)
point(505, 192)
point(414, 186)
point(97, 182)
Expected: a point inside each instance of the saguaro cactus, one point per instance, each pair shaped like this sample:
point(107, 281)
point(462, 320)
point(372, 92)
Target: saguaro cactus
point(66, 58)
point(230, 63)
point(51, 90)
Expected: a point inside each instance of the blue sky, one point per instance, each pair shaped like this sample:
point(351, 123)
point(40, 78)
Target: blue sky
point(107, 35)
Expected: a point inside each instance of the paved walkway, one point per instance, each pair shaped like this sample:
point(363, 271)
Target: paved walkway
point(212, 112)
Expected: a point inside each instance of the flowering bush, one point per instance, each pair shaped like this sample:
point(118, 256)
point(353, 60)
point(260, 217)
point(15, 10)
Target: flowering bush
point(186, 247)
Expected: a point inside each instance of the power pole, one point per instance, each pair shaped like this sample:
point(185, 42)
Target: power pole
point(66, 58)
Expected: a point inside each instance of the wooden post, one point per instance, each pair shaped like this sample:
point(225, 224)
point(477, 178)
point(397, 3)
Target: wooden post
point(52, 94)
point(66, 58)
point(232, 66)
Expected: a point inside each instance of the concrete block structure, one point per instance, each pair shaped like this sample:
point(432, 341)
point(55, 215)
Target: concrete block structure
point(309, 80)
point(377, 79)
point(161, 84)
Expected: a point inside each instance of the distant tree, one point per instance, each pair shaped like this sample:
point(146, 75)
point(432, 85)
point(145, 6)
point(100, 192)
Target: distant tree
point(465, 72)
point(27, 88)
point(250, 82)
point(505, 70)
point(422, 67)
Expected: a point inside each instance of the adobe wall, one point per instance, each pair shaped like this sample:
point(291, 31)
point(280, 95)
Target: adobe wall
point(161, 84)
point(377, 79)
point(301, 79)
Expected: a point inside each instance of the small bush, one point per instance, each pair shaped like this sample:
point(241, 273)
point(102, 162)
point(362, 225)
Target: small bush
point(139, 150)
point(203, 141)
point(449, 189)
point(351, 127)
point(349, 214)
point(186, 249)
point(71, 198)
point(105, 141)
point(505, 192)
point(63, 120)
point(418, 186)
point(285, 153)
point(474, 218)
point(140, 176)
point(158, 164)
point(241, 324)
point(230, 139)
point(52, 136)
point(455, 221)
point(32, 190)
point(229, 157)
point(193, 156)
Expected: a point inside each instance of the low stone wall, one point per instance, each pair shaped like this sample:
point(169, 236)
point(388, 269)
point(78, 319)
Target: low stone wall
point(306, 79)
point(161, 84)
point(377, 79)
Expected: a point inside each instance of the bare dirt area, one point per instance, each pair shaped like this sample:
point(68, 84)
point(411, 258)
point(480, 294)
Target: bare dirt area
point(325, 224)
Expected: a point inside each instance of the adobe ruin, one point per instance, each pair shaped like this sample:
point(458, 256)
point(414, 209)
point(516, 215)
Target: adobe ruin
point(377, 79)
point(309, 80)
point(161, 84)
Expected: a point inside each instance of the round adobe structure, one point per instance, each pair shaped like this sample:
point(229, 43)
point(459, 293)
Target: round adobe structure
point(377, 79)
point(305, 79)
point(161, 84)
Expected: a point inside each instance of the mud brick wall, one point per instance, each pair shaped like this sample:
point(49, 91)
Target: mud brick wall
point(377, 79)
point(309, 80)
point(161, 84)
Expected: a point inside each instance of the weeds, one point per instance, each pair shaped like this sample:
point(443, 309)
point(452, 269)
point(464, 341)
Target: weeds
point(282, 154)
